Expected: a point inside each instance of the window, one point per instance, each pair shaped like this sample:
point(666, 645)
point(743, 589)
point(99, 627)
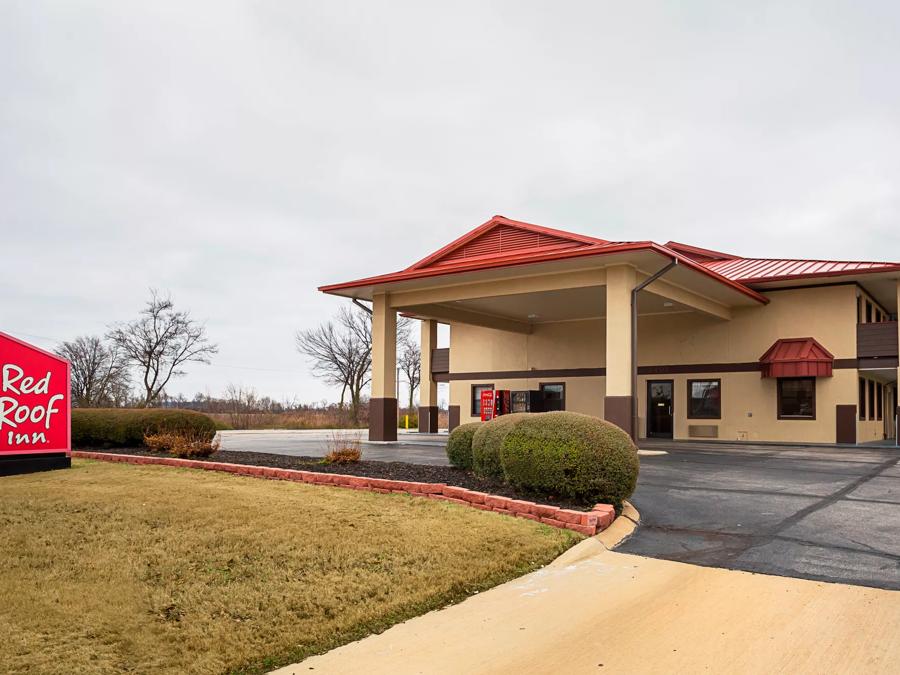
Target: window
point(871, 415)
point(862, 399)
point(704, 399)
point(797, 398)
point(476, 397)
point(868, 312)
point(554, 395)
point(879, 405)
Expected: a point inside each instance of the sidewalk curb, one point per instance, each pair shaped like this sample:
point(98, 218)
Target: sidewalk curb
point(622, 527)
point(587, 523)
point(620, 530)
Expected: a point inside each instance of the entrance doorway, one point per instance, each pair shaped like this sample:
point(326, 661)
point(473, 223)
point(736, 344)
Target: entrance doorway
point(660, 402)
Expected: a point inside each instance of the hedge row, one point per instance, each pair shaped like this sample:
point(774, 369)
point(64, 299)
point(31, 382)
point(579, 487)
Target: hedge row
point(126, 428)
point(562, 454)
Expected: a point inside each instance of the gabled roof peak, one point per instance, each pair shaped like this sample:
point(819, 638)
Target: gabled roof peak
point(501, 237)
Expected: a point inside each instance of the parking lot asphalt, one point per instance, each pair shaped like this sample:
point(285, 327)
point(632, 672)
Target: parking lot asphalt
point(830, 514)
point(821, 513)
point(415, 448)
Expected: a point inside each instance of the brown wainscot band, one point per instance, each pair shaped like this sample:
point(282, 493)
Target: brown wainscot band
point(520, 374)
point(383, 419)
point(428, 419)
point(619, 411)
point(680, 369)
point(454, 417)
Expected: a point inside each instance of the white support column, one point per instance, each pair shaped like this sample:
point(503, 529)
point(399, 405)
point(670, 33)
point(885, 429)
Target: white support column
point(428, 406)
point(383, 404)
point(619, 401)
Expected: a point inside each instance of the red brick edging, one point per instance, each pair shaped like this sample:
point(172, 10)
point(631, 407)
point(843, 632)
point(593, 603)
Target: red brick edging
point(588, 523)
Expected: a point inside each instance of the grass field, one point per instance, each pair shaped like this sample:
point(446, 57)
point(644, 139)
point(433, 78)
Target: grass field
point(109, 568)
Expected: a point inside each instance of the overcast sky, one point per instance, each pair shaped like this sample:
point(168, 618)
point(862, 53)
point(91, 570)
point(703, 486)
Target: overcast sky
point(240, 154)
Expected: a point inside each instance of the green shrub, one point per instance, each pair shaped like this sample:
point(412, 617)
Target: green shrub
point(573, 456)
point(487, 442)
point(459, 445)
point(126, 427)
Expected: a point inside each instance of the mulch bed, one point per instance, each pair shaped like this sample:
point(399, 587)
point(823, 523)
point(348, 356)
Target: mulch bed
point(419, 473)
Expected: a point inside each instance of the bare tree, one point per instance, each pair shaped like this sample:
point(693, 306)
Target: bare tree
point(341, 352)
point(99, 372)
point(159, 342)
point(410, 364)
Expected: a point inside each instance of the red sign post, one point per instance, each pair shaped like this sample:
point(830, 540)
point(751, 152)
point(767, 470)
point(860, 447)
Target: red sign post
point(35, 415)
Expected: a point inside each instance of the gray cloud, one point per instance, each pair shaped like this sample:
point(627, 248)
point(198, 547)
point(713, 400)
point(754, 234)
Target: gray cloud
point(240, 154)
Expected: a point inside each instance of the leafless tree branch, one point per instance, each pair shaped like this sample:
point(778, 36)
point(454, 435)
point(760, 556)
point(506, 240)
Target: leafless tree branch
point(159, 342)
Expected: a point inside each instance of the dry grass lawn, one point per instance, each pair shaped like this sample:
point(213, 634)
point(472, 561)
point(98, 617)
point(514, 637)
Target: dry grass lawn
point(110, 568)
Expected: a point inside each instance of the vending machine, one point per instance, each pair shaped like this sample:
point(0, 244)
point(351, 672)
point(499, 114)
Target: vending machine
point(487, 405)
point(495, 403)
point(502, 402)
point(527, 401)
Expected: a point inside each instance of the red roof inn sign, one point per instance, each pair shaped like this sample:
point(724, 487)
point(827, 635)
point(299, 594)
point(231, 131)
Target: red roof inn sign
point(35, 417)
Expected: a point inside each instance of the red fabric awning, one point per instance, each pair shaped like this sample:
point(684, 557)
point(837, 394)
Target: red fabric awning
point(797, 357)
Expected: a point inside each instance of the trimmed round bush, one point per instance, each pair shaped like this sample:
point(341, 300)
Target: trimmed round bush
point(126, 427)
point(487, 442)
point(573, 456)
point(459, 445)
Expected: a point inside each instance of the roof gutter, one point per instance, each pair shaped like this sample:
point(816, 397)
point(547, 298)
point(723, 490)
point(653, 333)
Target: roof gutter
point(634, 335)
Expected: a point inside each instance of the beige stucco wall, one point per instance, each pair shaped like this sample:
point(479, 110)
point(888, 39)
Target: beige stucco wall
point(475, 349)
point(583, 394)
point(827, 314)
point(749, 407)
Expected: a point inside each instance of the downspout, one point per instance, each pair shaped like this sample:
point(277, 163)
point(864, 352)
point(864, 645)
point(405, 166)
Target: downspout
point(362, 306)
point(634, 365)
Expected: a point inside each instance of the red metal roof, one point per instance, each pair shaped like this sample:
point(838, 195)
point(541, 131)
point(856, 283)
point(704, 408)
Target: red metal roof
point(701, 255)
point(502, 242)
point(503, 236)
point(749, 270)
point(797, 357)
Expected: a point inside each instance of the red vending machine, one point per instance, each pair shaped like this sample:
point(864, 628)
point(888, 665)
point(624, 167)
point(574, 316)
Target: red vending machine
point(487, 405)
point(494, 403)
point(502, 402)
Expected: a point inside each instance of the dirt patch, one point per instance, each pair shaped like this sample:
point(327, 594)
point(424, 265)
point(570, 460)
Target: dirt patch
point(419, 473)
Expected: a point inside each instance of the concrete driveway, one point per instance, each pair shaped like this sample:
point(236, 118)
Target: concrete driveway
point(818, 513)
point(597, 611)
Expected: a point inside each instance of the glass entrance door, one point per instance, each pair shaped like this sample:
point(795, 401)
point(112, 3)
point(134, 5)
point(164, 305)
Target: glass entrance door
point(660, 402)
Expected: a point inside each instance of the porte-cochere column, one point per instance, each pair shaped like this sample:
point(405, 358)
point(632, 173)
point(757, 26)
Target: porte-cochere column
point(619, 402)
point(428, 406)
point(383, 404)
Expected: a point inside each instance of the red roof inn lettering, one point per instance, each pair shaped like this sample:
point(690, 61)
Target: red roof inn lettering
point(34, 403)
